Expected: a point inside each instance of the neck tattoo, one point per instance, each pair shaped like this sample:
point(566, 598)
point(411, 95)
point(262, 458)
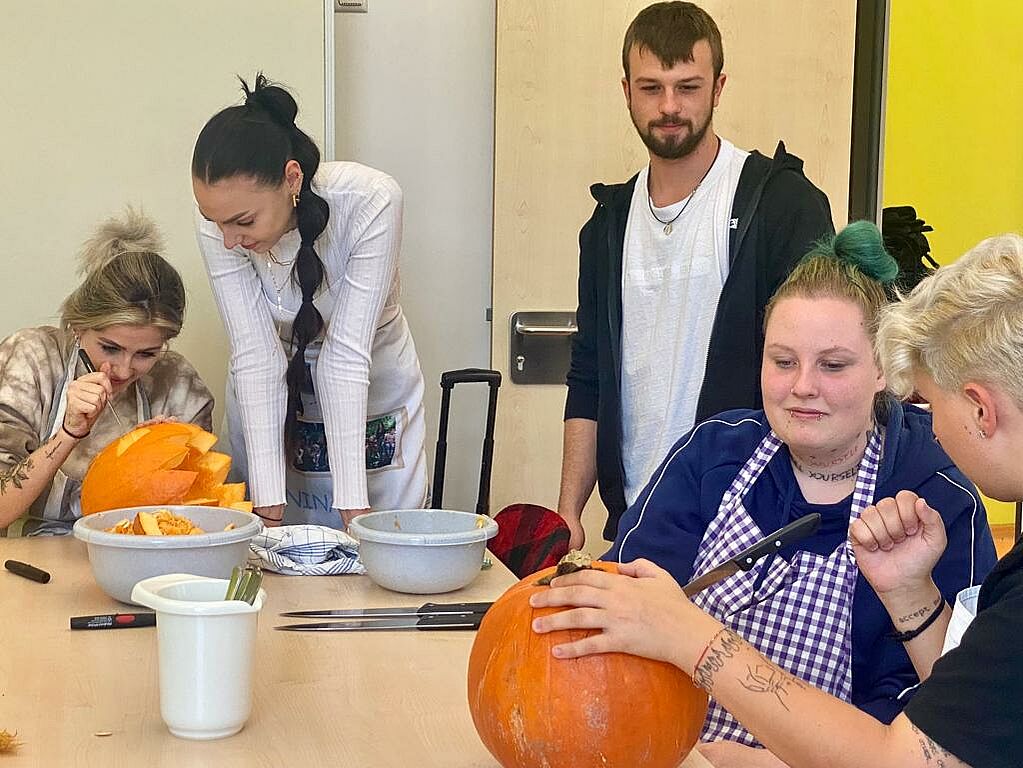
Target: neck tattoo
point(827, 475)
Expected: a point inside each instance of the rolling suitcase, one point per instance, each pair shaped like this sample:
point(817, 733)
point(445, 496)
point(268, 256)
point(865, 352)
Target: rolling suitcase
point(530, 537)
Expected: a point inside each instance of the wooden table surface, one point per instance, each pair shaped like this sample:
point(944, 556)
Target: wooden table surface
point(335, 699)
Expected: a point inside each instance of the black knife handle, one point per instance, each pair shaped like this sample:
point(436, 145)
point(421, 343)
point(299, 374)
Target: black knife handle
point(450, 608)
point(791, 533)
point(450, 621)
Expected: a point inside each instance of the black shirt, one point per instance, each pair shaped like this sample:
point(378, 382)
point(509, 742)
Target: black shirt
point(972, 704)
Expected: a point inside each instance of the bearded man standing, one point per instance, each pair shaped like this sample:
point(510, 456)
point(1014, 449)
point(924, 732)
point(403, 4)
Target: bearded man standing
point(675, 268)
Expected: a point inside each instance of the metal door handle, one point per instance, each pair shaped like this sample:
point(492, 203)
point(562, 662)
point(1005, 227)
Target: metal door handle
point(545, 330)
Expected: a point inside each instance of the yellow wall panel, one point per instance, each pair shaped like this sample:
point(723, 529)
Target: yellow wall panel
point(954, 122)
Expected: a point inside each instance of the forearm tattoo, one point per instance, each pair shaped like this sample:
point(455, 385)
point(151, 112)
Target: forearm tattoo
point(722, 647)
point(919, 613)
point(932, 751)
point(767, 679)
point(16, 475)
point(54, 447)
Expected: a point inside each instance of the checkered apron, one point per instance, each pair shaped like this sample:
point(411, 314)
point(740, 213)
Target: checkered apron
point(800, 615)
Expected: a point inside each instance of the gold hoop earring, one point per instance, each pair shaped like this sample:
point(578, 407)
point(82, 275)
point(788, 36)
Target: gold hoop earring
point(294, 200)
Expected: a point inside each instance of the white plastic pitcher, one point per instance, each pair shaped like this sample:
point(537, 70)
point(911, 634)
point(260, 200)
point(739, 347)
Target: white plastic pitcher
point(207, 651)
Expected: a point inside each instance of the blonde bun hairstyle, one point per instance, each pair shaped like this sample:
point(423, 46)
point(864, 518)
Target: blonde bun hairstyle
point(125, 280)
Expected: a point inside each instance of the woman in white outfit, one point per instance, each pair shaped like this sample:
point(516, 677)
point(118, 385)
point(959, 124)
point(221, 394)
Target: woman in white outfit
point(325, 394)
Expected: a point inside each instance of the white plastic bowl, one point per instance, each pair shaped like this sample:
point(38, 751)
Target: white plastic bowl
point(120, 561)
point(422, 551)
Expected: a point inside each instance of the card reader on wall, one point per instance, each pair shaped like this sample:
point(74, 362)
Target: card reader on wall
point(541, 346)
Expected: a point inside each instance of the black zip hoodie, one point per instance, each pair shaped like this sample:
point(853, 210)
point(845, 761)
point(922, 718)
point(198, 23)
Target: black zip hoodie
point(777, 216)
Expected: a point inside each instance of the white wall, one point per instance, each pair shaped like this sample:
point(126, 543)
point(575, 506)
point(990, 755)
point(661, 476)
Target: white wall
point(100, 104)
point(414, 88)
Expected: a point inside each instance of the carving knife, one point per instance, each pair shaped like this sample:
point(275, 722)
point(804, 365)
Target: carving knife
point(422, 623)
point(427, 609)
point(791, 533)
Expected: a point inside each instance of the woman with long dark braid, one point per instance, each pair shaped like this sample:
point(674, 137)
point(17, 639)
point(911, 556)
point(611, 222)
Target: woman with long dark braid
point(303, 260)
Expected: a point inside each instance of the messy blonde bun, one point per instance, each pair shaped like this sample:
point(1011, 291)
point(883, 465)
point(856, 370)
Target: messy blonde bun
point(134, 233)
point(126, 280)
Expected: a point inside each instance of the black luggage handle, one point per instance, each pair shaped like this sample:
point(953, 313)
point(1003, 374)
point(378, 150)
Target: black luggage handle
point(448, 380)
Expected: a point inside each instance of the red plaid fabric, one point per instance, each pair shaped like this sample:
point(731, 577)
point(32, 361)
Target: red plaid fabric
point(529, 538)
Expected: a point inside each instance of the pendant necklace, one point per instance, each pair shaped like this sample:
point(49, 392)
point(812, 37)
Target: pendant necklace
point(271, 261)
point(650, 203)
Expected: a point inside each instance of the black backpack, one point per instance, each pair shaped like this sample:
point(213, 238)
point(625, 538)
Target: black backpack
point(903, 237)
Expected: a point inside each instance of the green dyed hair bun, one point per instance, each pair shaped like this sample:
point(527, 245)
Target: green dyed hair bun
point(861, 245)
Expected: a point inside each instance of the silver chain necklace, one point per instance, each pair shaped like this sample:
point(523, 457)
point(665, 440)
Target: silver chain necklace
point(271, 261)
point(650, 202)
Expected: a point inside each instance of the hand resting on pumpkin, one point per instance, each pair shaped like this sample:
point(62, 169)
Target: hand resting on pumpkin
point(644, 612)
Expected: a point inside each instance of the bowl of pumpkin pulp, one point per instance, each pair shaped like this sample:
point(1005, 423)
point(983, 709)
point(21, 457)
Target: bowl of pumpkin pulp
point(128, 545)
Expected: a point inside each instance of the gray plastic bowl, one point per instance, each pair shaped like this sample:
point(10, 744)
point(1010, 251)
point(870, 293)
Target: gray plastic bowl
point(120, 561)
point(422, 551)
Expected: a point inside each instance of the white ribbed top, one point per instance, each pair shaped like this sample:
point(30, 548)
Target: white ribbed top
point(359, 249)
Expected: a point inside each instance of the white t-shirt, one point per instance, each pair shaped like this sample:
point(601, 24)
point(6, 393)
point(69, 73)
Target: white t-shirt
point(670, 289)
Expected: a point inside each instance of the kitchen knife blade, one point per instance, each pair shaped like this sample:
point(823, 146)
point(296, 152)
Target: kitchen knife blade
point(424, 623)
point(432, 609)
point(791, 533)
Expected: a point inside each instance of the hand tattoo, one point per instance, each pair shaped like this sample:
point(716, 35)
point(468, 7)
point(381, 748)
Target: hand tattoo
point(723, 646)
point(933, 753)
point(768, 679)
point(16, 475)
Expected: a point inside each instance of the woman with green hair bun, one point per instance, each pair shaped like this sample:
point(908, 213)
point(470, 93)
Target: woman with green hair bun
point(830, 440)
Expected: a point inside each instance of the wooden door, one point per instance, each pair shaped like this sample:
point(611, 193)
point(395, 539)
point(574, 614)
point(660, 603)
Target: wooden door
point(561, 125)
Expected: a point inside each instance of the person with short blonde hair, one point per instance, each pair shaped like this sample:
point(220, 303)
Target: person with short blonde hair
point(55, 414)
point(955, 340)
point(963, 323)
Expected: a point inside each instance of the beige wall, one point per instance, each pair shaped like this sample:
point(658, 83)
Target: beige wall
point(415, 98)
point(100, 104)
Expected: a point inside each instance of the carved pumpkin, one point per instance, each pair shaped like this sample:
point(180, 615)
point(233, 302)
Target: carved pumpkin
point(602, 711)
point(167, 463)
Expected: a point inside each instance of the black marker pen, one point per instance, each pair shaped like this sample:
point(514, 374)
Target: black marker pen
point(28, 571)
point(114, 621)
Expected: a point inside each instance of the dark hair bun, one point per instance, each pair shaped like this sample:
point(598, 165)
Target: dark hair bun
point(272, 99)
point(861, 245)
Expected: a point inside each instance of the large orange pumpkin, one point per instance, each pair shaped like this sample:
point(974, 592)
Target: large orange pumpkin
point(168, 463)
point(602, 711)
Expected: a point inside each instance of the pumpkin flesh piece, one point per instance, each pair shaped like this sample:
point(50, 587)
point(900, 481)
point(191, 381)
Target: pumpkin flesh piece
point(230, 493)
point(166, 463)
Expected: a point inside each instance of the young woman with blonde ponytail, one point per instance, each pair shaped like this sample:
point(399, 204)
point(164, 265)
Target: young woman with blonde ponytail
point(55, 415)
point(324, 400)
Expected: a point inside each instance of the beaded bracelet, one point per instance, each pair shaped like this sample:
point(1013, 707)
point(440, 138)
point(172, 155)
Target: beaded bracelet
point(905, 637)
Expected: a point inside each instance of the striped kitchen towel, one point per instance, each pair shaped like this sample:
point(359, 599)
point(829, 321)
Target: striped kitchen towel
point(307, 550)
